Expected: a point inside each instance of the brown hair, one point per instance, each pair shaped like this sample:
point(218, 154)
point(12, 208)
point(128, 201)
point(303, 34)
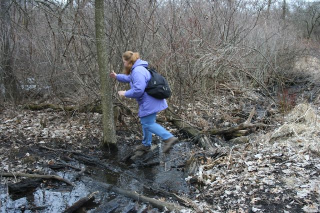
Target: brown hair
point(131, 58)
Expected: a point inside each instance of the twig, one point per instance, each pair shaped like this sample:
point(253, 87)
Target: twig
point(70, 166)
point(211, 165)
point(36, 176)
point(187, 202)
point(80, 203)
point(228, 88)
point(62, 150)
point(253, 111)
point(229, 158)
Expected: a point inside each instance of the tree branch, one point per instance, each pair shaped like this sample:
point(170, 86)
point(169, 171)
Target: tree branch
point(55, 177)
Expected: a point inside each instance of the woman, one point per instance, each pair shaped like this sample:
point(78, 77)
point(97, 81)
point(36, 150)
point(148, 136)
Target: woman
point(138, 76)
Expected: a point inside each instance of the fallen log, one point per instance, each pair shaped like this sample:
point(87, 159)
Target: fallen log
point(92, 107)
point(197, 135)
point(234, 129)
point(93, 161)
point(88, 160)
point(56, 166)
point(43, 106)
point(138, 197)
point(181, 124)
point(55, 177)
point(84, 158)
point(183, 200)
point(24, 186)
point(70, 166)
point(120, 109)
point(61, 150)
point(228, 132)
point(77, 205)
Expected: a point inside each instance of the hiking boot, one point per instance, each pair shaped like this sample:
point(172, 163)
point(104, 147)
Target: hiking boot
point(169, 143)
point(142, 148)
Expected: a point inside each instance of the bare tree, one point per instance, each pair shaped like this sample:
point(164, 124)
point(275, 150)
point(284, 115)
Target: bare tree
point(196, 44)
point(109, 136)
point(8, 79)
point(306, 18)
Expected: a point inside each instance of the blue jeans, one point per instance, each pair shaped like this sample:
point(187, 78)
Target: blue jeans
point(150, 126)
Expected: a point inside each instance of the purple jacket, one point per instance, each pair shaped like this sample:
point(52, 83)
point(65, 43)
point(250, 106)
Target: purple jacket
point(138, 80)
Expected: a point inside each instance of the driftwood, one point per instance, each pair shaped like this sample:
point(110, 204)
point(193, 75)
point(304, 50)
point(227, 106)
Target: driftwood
point(77, 205)
point(55, 177)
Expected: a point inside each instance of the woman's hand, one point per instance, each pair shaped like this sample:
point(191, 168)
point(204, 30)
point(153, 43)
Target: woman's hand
point(113, 75)
point(121, 93)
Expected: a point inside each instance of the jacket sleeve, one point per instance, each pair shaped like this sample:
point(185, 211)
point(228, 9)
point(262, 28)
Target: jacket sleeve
point(138, 85)
point(123, 78)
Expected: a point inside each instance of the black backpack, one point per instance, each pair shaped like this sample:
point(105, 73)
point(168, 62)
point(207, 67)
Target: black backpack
point(158, 86)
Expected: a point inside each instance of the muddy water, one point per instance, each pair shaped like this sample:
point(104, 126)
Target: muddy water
point(52, 196)
point(46, 198)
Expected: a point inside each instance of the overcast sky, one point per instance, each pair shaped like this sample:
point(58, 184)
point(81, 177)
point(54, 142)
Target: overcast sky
point(248, 0)
point(288, 1)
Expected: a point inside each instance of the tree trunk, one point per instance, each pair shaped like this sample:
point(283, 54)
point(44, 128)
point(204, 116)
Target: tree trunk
point(109, 134)
point(269, 6)
point(284, 9)
point(8, 81)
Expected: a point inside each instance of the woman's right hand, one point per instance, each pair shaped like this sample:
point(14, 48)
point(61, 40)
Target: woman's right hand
point(113, 75)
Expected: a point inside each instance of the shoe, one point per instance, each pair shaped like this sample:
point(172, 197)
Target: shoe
point(169, 143)
point(142, 148)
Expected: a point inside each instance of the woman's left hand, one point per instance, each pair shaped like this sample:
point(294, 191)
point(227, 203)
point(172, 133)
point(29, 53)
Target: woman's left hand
point(121, 93)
